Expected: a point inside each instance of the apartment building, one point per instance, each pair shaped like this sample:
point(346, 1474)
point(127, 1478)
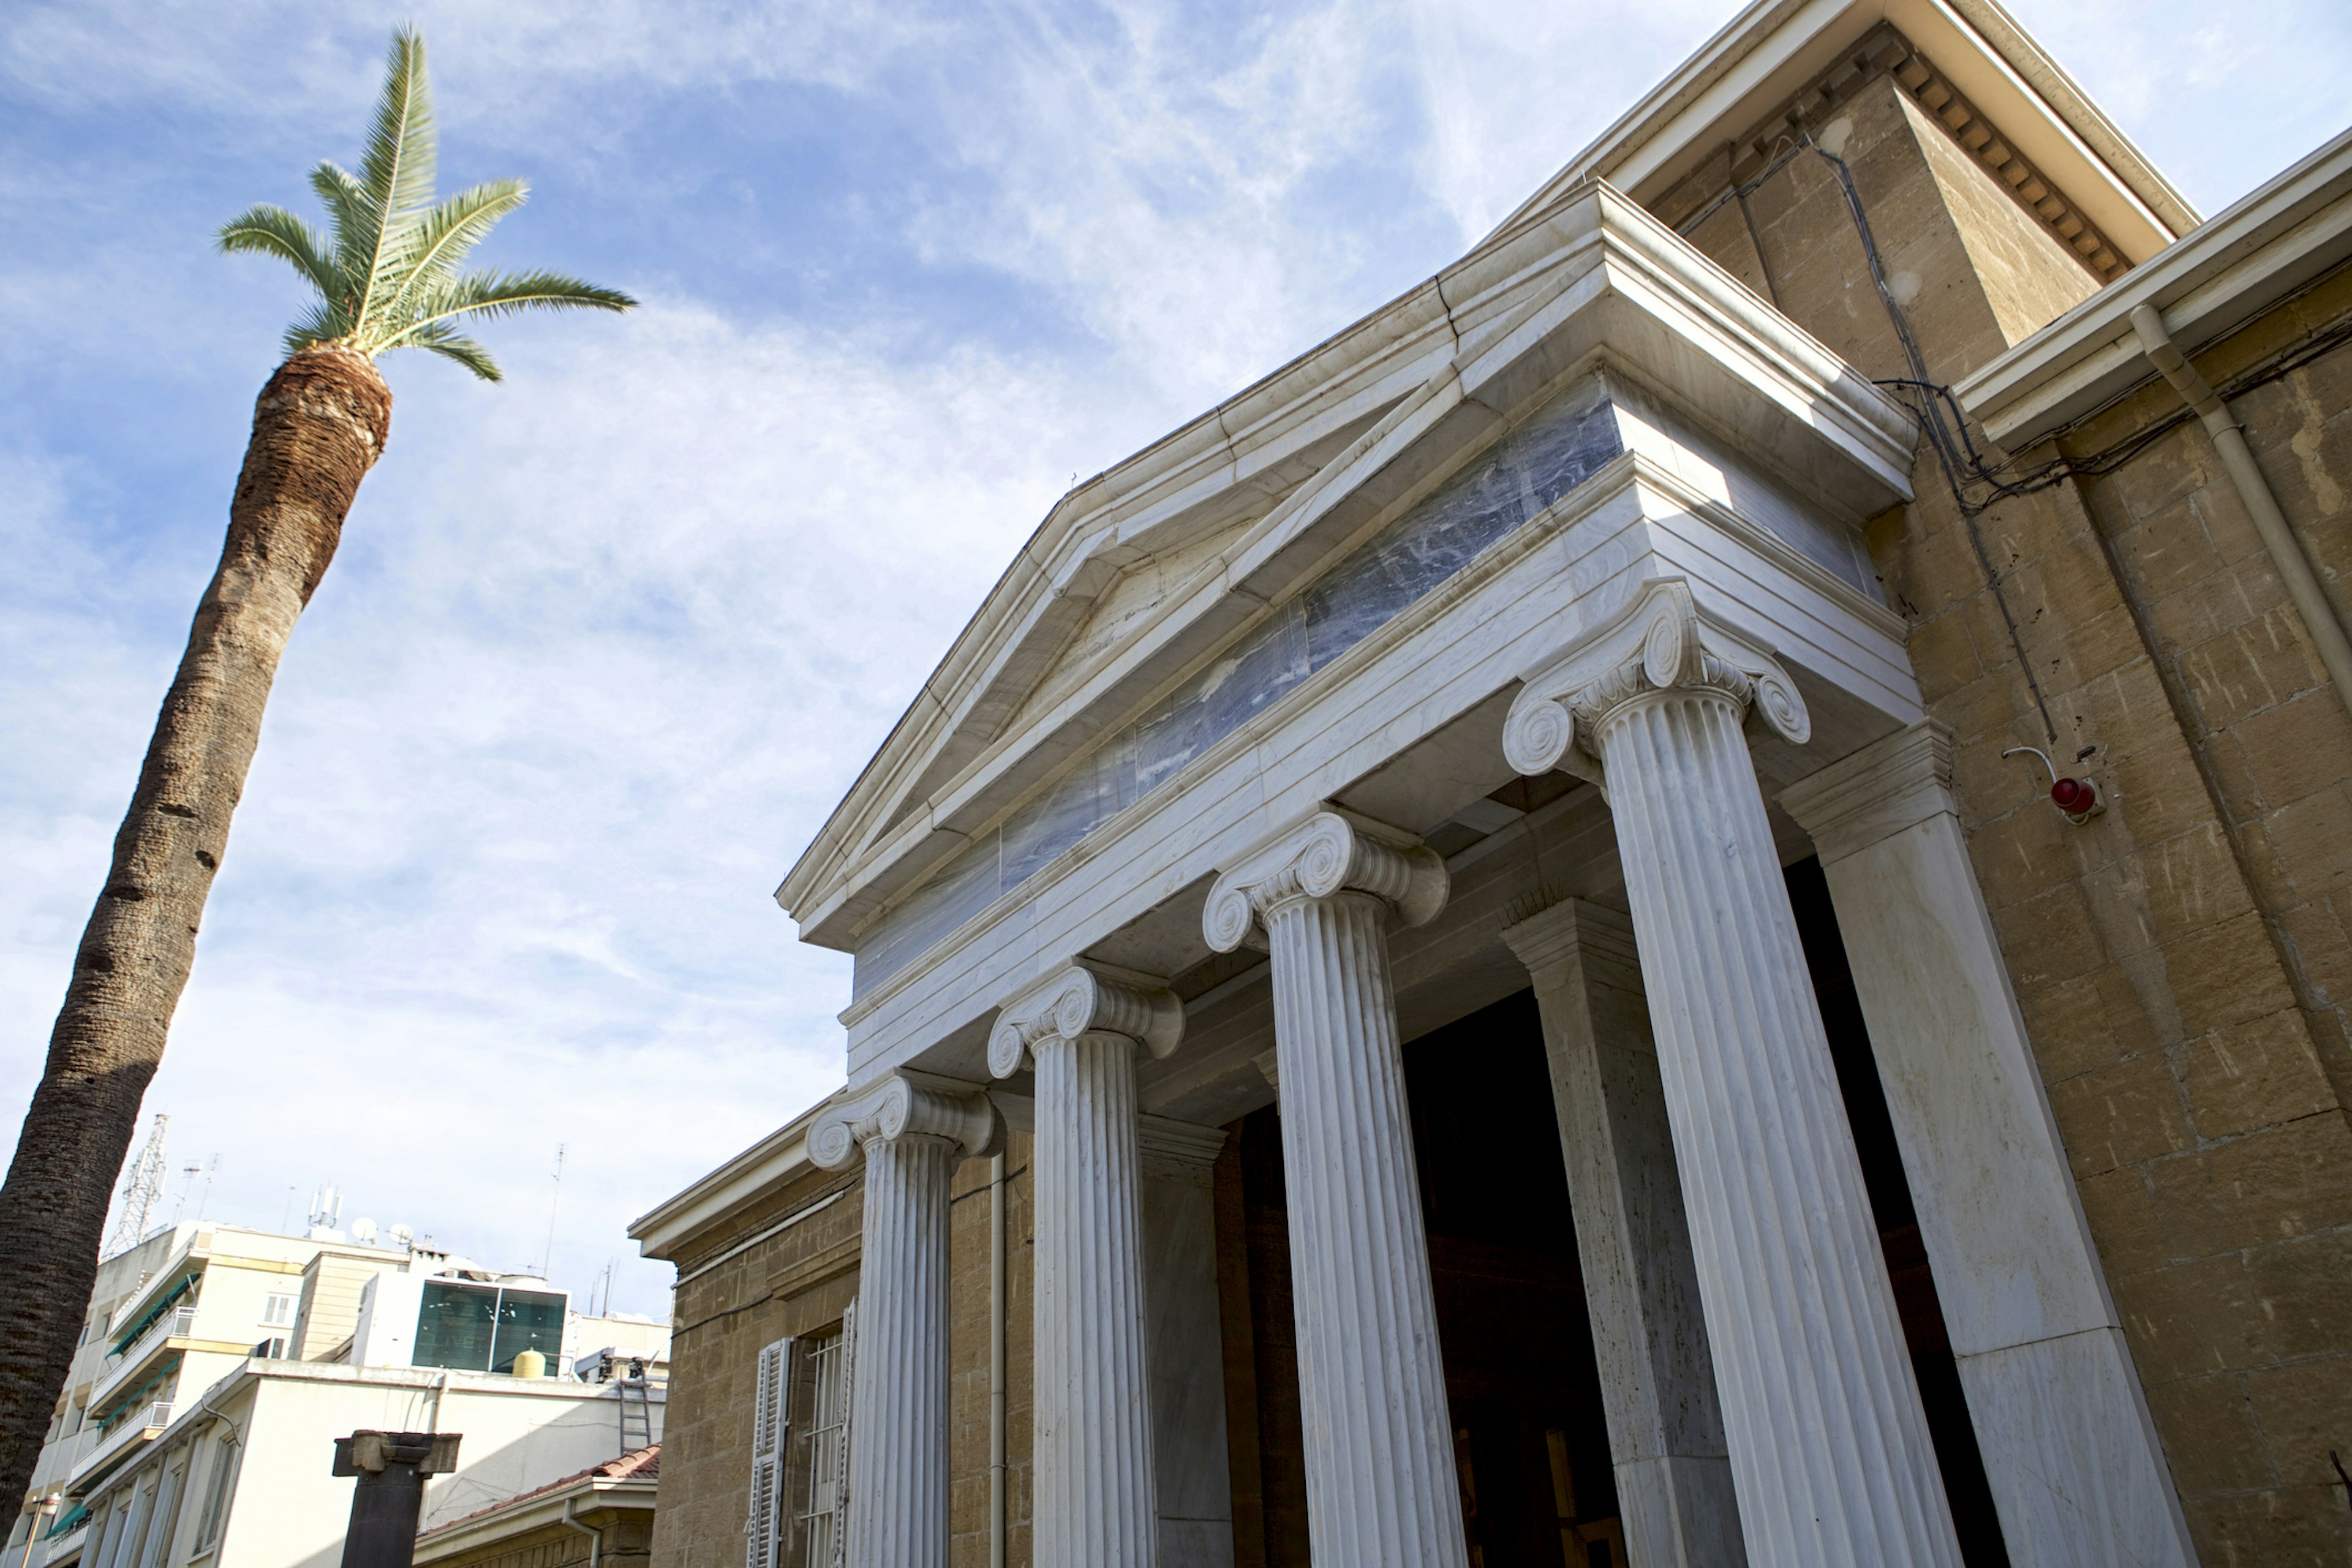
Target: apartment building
point(221, 1363)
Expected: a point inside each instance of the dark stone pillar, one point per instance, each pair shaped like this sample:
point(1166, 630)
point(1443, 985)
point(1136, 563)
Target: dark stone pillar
point(392, 1467)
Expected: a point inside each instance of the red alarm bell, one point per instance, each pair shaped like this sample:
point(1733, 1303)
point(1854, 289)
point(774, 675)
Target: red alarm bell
point(2077, 798)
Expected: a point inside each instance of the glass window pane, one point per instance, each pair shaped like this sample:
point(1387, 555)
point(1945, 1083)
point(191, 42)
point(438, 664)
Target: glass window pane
point(528, 1321)
point(455, 1327)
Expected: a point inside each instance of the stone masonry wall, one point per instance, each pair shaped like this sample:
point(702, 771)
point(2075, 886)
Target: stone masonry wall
point(2182, 959)
point(968, 1359)
point(797, 1282)
point(2211, 1039)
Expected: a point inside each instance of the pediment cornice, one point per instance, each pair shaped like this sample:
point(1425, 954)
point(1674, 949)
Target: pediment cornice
point(1285, 476)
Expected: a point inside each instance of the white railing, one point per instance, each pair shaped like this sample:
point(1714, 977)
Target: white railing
point(142, 1418)
point(178, 1323)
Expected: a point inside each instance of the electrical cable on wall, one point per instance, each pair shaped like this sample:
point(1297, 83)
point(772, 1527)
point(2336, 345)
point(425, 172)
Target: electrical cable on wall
point(1931, 420)
point(1945, 425)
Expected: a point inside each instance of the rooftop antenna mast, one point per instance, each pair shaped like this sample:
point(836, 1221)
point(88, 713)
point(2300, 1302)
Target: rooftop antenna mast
point(212, 1169)
point(142, 1189)
point(547, 1267)
point(188, 1174)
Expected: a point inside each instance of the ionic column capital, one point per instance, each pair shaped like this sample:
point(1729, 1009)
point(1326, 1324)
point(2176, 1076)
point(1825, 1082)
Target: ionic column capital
point(1083, 999)
point(1660, 641)
point(1328, 853)
point(905, 1103)
point(1894, 783)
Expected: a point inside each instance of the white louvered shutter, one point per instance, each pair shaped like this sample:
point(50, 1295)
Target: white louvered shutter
point(843, 1479)
point(762, 1531)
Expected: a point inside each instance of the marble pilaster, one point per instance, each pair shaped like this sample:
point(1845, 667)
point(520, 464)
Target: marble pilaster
point(1096, 1503)
point(1641, 1285)
point(912, 1130)
point(2071, 1455)
point(1185, 1341)
point(1829, 1450)
point(1381, 1481)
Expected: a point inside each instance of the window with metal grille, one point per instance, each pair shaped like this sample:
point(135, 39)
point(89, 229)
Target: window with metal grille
point(800, 1450)
point(826, 1460)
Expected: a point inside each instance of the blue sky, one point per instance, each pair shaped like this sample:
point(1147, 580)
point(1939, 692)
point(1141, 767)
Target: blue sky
point(605, 642)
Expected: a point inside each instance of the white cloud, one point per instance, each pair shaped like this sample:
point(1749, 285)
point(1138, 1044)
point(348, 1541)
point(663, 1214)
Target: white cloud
point(2220, 96)
point(602, 647)
point(1514, 88)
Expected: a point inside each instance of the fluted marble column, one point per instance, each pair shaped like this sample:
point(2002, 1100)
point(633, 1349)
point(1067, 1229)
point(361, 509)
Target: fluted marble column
point(1381, 1481)
point(1641, 1287)
point(1830, 1451)
point(912, 1129)
point(1096, 1502)
point(2069, 1450)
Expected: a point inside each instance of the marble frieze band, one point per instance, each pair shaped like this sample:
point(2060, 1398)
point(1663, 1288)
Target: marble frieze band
point(1515, 480)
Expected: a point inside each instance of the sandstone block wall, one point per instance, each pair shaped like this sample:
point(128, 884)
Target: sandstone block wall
point(797, 1282)
point(2183, 960)
point(800, 1282)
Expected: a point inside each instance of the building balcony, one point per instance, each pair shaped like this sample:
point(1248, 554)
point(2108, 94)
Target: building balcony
point(107, 1448)
point(174, 1325)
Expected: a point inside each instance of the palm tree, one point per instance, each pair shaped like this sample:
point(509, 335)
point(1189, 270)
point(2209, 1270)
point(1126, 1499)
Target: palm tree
point(387, 278)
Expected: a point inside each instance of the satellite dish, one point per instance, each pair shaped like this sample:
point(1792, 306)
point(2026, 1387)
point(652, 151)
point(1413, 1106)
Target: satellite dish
point(363, 1231)
point(403, 1237)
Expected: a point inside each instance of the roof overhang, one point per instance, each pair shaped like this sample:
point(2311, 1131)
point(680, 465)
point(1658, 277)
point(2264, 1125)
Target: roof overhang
point(503, 1522)
point(755, 1173)
point(2243, 262)
point(1594, 277)
point(1775, 47)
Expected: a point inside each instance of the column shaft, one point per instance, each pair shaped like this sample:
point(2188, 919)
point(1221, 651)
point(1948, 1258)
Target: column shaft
point(1641, 1287)
point(1095, 1505)
point(1830, 1453)
point(2071, 1455)
point(1381, 1481)
point(898, 1378)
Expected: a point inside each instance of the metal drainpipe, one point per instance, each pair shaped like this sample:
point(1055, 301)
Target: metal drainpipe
point(2319, 618)
point(996, 1520)
point(596, 1535)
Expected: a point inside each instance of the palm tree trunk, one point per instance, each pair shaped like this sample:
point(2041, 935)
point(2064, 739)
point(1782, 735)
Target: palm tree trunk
point(318, 427)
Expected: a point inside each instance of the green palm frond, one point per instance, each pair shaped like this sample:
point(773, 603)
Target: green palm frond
point(350, 218)
point(484, 294)
point(447, 342)
point(452, 229)
point(388, 277)
point(326, 324)
point(397, 172)
point(267, 230)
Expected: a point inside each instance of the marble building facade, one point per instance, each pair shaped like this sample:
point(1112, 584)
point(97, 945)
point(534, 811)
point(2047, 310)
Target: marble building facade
point(1469, 961)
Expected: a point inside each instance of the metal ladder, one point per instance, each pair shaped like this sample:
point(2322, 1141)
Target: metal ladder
point(636, 1415)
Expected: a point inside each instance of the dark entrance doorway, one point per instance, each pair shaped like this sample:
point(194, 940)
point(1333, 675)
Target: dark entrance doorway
point(1530, 1444)
point(1531, 1447)
point(1530, 1441)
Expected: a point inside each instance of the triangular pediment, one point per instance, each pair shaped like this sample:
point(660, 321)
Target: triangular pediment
point(1217, 569)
